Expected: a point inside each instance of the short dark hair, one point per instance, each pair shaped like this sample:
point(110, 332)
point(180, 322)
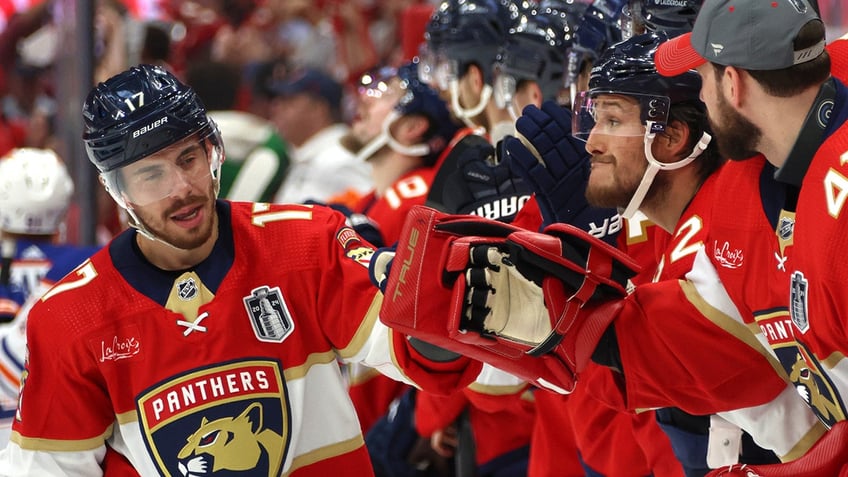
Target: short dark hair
point(694, 115)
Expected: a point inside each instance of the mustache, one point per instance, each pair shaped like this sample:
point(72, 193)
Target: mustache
point(190, 201)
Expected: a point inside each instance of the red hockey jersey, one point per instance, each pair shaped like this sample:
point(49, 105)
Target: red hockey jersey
point(231, 365)
point(693, 342)
point(815, 358)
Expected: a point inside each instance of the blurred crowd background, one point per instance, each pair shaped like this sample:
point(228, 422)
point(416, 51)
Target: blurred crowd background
point(54, 51)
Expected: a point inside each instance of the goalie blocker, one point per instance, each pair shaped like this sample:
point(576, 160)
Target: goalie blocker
point(532, 304)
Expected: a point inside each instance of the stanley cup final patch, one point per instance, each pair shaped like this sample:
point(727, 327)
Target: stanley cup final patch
point(269, 314)
point(798, 301)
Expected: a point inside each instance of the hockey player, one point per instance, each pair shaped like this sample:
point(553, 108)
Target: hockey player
point(403, 127)
point(649, 350)
point(207, 335)
point(632, 172)
point(463, 38)
point(35, 193)
point(787, 76)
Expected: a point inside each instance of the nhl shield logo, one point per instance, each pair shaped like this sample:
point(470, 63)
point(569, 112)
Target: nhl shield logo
point(269, 314)
point(785, 228)
point(187, 289)
point(798, 300)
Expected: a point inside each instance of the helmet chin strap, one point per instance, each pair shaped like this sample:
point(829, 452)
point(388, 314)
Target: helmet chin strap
point(133, 220)
point(385, 138)
point(510, 108)
point(655, 166)
point(466, 114)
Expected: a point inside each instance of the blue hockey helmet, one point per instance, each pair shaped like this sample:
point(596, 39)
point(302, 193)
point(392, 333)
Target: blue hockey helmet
point(140, 112)
point(628, 68)
point(136, 114)
point(419, 98)
point(470, 32)
point(537, 49)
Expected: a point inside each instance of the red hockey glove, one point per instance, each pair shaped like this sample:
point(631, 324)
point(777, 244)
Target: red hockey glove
point(480, 288)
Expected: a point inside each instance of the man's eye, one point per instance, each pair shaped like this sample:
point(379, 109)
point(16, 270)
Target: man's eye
point(152, 176)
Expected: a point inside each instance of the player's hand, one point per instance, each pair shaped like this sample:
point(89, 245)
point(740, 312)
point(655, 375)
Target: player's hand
point(557, 166)
point(380, 267)
point(501, 301)
point(482, 183)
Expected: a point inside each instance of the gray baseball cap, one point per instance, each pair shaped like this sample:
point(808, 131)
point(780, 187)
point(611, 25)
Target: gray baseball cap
point(747, 34)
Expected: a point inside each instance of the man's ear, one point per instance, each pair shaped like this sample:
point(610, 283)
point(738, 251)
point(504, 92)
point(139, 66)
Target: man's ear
point(473, 78)
point(528, 93)
point(675, 141)
point(410, 129)
point(733, 86)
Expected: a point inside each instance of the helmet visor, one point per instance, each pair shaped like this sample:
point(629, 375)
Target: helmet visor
point(189, 162)
point(617, 114)
point(436, 69)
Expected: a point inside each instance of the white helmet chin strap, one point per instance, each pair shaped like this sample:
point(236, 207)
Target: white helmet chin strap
point(385, 138)
point(655, 166)
point(466, 114)
point(512, 111)
point(134, 222)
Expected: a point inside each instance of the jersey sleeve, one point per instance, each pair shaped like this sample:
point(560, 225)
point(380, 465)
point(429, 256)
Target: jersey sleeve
point(59, 376)
point(352, 304)
point(680, 347)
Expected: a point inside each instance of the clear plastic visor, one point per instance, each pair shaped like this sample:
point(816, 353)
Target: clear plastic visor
point(436, 69)
point(617, 114)
point(188, 163)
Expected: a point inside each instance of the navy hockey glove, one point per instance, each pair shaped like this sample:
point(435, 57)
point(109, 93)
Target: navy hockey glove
point(557, 166)
point(482, 184)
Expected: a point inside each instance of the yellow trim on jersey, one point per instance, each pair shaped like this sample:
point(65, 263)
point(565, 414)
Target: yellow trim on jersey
point(324, 453)
point(188, 304)
point(128, 417)
point(365, 328)
point(739, 330)
point(395, 361)
point(806, 442)
point(833, 360)
point(299, 372)
point(493, 390)
point(60, 445)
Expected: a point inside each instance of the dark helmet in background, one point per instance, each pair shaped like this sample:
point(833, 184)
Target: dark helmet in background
point(536, 49)
point(469, 32)
point(673, 16)
point(419, 98)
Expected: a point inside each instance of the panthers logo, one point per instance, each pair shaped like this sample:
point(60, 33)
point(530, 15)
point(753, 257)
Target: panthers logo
point(807, 382)
point(226, 420)
point(231, 444)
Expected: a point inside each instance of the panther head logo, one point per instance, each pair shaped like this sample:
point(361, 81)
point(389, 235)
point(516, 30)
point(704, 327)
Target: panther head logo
point(803, 376)
point(232, 445)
